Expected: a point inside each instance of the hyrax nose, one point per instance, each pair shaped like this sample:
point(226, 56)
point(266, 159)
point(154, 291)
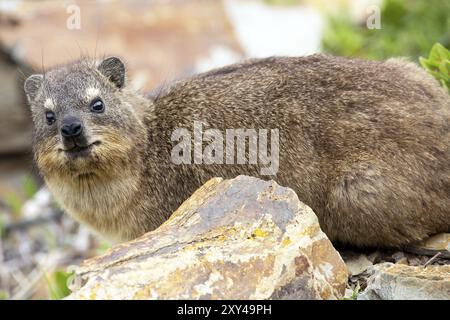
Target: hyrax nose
point(71, 127)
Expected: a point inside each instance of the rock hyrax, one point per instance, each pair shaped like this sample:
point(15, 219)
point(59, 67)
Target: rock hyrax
point(365, 144)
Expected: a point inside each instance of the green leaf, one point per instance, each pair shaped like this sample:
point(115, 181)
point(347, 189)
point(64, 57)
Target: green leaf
point(427, 64)
point(57, 284)
point(444, 70)
point(441, 52)
point(438, 64)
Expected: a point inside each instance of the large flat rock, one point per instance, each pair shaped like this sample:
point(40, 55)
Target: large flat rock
point(242, 238)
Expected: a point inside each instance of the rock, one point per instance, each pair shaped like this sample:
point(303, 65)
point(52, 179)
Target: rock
point(401, 282)
point(374, 257)
point(418, 260)
point(242, 238)
point(357, 264)
point(439, 243)
point(348, 295)
point(400, 257)
point(403, 261)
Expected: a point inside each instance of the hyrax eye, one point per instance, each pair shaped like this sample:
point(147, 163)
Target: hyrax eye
point(50, 117)
point(97, 105)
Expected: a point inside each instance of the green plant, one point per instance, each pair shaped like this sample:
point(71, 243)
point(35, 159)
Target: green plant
point(408, 28)
point(29, 187)
point(4, 295)
point(57, 284)
point(2, 226)
point(103, 246)
point(355, 292)
point(14, 202)
point(438, 64)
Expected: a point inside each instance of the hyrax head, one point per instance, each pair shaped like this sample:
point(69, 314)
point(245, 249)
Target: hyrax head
point(83, 123)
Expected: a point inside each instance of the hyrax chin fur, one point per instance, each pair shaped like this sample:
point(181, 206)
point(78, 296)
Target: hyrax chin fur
point(365, 144)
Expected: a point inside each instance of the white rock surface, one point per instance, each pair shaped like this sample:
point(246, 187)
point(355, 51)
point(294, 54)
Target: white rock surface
point(402, 282)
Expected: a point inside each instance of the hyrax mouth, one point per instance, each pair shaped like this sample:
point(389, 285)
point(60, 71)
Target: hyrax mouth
point(79, 150)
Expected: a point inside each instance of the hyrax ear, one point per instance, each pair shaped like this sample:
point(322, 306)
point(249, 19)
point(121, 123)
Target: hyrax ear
point(114, 70)
point(32, 86)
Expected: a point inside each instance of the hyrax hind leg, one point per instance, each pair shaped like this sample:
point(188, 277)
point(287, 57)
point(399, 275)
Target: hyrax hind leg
point(374, 205)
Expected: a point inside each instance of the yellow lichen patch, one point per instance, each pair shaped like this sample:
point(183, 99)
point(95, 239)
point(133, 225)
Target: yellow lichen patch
point(259, 233)
point(93, 293)
point(195, 246)
point(148, 292)
point(310, 231)
point(286, 241)
point(222, 234)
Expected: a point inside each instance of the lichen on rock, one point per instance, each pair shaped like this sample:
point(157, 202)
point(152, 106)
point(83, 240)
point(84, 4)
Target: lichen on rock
point(242, 238)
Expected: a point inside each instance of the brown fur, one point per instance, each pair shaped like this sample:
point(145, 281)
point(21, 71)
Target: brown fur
point(365, 144)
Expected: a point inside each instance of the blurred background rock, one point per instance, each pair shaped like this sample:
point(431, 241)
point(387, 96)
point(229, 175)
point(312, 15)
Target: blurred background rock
point(160, 40)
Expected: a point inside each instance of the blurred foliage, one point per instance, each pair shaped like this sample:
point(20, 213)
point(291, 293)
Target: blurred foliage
point(103, 246)
point(4, 295)
point(50, 238)
point(58, 284)
point(2, 225)
point(438, 64)
point(408, 28)
point(15, 201)
point(29, 187)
